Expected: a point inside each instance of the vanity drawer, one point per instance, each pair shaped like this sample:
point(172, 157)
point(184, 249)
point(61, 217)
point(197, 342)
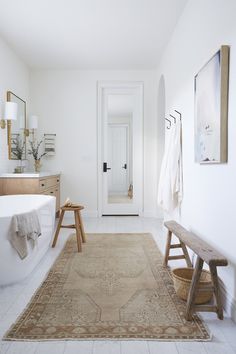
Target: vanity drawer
point(42, 185)
point(48, 183)
point(53, 181)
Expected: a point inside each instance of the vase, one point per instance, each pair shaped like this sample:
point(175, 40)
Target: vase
point(19, 168)
point(37, 165)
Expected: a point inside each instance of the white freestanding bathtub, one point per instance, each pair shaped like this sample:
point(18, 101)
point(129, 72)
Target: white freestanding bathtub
point(12, 268)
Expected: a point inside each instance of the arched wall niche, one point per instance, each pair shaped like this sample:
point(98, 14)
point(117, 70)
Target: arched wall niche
point(161, 112)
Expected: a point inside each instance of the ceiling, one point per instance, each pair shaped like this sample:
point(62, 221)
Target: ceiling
point(89, 34)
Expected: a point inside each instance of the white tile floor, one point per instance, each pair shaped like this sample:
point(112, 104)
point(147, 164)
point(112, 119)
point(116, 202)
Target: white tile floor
point(13, 299)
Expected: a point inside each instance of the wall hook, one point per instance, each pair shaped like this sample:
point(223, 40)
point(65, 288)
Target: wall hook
point(180, 115)
point(173, 117)
point(168, 127)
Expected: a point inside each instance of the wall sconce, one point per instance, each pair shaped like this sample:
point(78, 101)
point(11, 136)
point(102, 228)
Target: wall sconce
point(22, 125)
point(10, 113)
point(33, 124)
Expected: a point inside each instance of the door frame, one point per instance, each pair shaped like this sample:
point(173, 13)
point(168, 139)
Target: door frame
point(137, 86)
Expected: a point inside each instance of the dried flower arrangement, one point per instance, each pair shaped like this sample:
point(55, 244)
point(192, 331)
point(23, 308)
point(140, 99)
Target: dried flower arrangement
point(19, 149)
point(35, 150)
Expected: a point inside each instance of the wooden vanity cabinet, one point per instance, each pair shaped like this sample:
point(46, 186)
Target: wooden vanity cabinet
point(49, 185)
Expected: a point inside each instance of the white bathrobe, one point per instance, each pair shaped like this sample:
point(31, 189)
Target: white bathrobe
point(170, 189)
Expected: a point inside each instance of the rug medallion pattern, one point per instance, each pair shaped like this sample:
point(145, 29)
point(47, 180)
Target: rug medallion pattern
point(116, 288)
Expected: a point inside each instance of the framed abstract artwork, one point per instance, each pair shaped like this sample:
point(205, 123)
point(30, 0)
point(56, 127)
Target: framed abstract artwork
point(211, 109)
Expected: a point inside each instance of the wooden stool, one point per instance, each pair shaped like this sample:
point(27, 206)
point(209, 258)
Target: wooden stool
point(78, 225)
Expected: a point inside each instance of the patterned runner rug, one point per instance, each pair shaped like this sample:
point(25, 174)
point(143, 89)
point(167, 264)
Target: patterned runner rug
point(115, 288)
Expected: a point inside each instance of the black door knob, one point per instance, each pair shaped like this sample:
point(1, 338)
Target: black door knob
point(105, 168)
point(125, 166)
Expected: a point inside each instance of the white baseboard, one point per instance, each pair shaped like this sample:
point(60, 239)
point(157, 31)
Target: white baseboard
point(94, 214)
point(229, 302)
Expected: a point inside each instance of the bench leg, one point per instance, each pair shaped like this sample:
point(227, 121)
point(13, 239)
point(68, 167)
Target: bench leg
point(167, 252)
point(215, 282)
point(58, 228)
point(77, 227)
point(192, 291)
point(185, 252)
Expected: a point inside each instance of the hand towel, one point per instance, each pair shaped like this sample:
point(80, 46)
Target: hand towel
point(24, 227)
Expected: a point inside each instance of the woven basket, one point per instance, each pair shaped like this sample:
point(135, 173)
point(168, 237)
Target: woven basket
point(182, 279)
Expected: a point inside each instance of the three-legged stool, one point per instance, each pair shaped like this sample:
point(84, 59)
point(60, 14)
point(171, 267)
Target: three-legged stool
point(78, 225)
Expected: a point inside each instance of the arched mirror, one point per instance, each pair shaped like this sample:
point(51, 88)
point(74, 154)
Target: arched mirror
point(16, 130)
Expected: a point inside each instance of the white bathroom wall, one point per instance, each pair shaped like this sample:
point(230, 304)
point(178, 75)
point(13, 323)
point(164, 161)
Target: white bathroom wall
point(209, 204)
point(66, 103)
point(14, 76)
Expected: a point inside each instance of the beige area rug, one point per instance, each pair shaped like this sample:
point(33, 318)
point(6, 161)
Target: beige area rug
point(115, 288)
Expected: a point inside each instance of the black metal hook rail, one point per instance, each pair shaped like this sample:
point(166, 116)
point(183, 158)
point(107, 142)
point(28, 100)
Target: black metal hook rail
point(174, 118)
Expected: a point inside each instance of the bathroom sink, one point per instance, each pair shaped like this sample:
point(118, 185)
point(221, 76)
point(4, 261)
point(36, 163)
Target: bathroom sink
point(28, 174)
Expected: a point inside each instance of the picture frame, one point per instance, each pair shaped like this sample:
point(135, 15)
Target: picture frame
point(211, 109)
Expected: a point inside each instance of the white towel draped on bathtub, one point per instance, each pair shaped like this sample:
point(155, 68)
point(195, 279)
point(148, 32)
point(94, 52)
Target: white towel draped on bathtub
point(24, 228)
point(170, 189)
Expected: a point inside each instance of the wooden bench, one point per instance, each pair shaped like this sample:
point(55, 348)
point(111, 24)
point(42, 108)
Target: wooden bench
point(205, 253)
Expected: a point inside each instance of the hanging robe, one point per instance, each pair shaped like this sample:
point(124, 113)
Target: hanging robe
point(170, 189)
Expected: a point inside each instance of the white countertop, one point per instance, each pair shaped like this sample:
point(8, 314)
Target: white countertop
point(29, 175)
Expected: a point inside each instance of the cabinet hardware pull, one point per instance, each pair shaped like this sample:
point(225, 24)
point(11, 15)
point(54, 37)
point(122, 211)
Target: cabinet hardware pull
point(42, 184)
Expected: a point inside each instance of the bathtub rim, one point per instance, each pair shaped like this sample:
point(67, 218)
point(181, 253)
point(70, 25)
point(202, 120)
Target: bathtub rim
point(41, 201)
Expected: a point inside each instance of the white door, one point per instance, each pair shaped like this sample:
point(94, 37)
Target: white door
point(118, 156)
point(120, 149)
